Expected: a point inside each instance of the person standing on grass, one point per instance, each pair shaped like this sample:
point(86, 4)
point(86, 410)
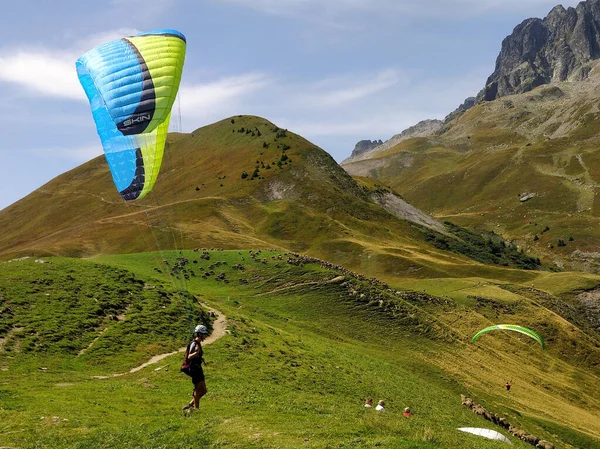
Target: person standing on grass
point(195, 359)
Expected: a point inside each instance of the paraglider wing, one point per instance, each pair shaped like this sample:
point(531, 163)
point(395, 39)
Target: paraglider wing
point(131, 84)
point(511, 327)
point(486, 433)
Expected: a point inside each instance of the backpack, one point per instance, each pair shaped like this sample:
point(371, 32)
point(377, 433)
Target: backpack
point(186, 366)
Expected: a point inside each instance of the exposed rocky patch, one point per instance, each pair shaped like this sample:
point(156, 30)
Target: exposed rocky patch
point(589, 303)
point(276, 189)
point(527, 196)
point(400, 208)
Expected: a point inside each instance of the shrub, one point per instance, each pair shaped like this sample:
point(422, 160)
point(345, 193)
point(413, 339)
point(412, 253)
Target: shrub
point(486, 248)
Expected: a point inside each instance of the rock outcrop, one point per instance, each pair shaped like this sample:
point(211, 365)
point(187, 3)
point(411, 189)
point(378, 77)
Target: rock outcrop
point(422, 129)
point(468, 103)
point(364, 146)
point(502, 422)
point(559, 47)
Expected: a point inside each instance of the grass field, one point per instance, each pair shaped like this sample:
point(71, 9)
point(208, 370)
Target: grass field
point(306, 344)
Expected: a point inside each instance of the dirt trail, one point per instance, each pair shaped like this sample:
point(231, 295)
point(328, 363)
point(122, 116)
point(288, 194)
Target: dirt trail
point(83, 351)
point(8, 336)
point(219, 329)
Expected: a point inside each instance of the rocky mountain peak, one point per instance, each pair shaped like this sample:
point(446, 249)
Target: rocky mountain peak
point(467, 104)
point(422, 129)
point(365, 145)
point(559, 47)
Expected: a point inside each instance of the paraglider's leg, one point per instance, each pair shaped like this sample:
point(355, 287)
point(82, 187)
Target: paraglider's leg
point(199, 391)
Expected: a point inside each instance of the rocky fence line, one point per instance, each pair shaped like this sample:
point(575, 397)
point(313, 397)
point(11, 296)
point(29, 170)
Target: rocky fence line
point(503, 422)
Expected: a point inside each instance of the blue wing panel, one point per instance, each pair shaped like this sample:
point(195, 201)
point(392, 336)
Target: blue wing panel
point(118, 77)
point(120, 150)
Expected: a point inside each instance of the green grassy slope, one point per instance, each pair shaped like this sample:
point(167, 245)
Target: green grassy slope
point(307, 344)
point(543, 142)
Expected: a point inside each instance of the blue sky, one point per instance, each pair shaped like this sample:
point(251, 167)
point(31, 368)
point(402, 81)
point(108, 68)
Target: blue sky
point(334, 71)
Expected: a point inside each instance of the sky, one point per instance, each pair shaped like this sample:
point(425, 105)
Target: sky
point(333, 71)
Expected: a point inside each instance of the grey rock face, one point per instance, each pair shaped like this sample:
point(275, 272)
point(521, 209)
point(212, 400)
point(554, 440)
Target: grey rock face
point(557, 48)
point(400, 208)
point(467, 104)
point(364, 146)
point(422, 129)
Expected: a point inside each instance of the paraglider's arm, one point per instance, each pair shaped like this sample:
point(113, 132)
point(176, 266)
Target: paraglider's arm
point(196, 353)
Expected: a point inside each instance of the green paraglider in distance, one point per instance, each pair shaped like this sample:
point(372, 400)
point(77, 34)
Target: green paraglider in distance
point(512, 327)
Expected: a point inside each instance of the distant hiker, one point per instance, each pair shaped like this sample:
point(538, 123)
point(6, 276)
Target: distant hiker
point(508, 385)
point(194, 359)
point(406, 411)
point(380, 405)
point(369, 403)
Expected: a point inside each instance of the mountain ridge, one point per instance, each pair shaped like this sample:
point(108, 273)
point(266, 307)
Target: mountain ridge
point(560, 47)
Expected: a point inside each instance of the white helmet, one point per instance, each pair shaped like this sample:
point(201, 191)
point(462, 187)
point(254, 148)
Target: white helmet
point(201, 329)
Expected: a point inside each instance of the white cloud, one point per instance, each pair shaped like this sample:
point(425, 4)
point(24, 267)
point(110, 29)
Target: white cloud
point(42, 72)
point(51, 72)
point(226, 96)
point(315, 10)
point(328, 93)
point(214, 94)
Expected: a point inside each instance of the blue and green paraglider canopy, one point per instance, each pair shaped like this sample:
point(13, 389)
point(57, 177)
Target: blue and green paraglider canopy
point(131, 84)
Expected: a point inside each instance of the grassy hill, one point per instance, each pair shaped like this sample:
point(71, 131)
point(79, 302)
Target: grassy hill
point(308, 342)
point(239, 183)
point(525, 166)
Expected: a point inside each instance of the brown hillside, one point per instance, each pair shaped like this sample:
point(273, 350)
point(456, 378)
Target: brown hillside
point(239, 183)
